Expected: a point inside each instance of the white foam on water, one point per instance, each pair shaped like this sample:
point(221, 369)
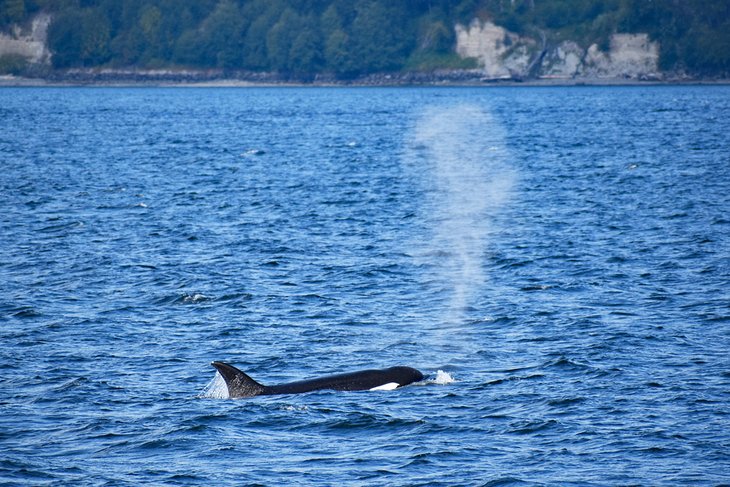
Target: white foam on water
point(216, 388)
point(195, 298)
point(443, 378)
point(290, 407)
point(253, 152)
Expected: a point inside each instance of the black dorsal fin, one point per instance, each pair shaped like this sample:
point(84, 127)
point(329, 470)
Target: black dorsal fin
point(239, 384)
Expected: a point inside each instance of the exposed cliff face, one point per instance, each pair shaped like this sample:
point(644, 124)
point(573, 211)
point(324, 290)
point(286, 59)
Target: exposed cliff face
point(30, 44)
point(630, 56)
point(503, 54)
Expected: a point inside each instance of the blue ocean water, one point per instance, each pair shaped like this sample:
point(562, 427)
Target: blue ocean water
point(562, 255)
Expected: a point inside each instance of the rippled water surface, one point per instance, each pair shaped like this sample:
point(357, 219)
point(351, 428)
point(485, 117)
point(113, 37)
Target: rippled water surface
point(561, 254)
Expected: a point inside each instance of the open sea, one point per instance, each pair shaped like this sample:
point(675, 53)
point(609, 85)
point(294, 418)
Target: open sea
point(555, 260)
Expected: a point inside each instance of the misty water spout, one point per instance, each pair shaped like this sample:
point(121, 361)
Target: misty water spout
point(469, 177)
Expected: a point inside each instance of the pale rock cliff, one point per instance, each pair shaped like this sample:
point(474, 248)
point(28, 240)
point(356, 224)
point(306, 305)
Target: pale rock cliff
point(501, 53)
point(630, 56)
point(564, 61)
point(30, 43)
point(506, 55)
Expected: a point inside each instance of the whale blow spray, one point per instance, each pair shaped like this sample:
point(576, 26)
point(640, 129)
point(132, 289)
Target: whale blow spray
point(467, 172)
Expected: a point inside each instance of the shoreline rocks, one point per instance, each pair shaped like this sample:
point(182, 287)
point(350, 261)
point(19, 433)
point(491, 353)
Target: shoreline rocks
point(220, 78)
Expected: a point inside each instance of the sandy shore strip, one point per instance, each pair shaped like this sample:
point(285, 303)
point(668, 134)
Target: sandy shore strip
point(190, 79)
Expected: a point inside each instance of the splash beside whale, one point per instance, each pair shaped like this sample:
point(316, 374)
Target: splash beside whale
point(241, 385)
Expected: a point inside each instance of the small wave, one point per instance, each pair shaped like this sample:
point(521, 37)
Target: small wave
point(72, 384)
point(442, 378)
point(26, 312)
point(235, 297)
point(536, 287)
point(253, 152)
point(514, 378)
point(526, 427)
point(496, 320)
point(61, 226)
point(365, 420)
point(290, 407)
point(192, 298)
point(501, 481)
point(563, 362)
point(565, 401)
point(140, 266)
point(215, 389)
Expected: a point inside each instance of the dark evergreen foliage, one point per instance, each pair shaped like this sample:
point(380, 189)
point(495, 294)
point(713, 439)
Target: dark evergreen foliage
point(351, 37)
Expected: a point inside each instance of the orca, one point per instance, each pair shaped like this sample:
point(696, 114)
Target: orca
point(241, 385)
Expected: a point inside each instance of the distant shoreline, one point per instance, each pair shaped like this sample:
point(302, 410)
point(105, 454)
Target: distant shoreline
point(215, 79)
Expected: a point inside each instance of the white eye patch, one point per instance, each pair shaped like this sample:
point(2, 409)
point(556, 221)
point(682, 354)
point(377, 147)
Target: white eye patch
point(386, 387)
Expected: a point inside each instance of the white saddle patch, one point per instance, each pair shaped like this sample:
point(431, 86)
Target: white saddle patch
point(386, 387)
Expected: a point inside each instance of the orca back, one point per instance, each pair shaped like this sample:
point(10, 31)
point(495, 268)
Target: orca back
point(241, 385)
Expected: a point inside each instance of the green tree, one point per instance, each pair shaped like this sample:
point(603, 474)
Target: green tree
point(280, 38)
point(64, 39)
point(263, 14)
point(382, 37)
point(434, 35)
point(305, 55)
point(188, 48)
point(95, 37)
point(331, 20)
point(149, 22)
point(339, 55)
point(221, 34)
point(79, 38)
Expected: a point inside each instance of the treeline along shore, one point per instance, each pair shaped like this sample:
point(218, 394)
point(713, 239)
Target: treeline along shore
point(364, 41)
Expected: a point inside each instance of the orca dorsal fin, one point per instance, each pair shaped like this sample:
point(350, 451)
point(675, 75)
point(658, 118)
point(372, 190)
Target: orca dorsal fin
point(239, 384)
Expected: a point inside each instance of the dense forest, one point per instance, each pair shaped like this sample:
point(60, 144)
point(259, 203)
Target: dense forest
point(347, 38)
